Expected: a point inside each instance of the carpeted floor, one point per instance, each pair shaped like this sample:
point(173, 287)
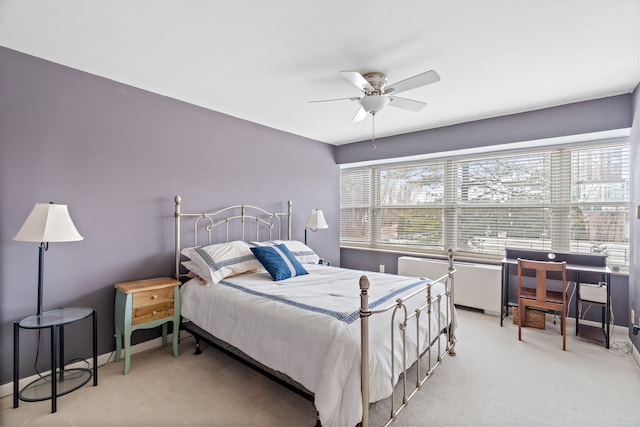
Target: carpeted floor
point(493, 380)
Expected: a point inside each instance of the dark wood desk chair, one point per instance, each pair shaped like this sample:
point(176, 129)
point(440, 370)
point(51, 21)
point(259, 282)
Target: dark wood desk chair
point(540, 297)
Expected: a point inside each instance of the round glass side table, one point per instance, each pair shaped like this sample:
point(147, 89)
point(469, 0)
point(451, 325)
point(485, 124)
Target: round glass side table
point(66, 380)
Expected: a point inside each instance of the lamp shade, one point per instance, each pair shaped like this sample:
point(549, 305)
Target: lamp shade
point(48, 222)
point(316, 220)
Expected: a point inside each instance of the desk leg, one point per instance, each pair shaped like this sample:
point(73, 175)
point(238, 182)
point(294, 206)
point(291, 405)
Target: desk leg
point(95, 348)
point(577, 303)
point(54, 380)
point(16, 363)
point(607, 317)
point(504, 304)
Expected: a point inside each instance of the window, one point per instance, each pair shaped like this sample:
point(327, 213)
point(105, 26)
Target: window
point(568, 198)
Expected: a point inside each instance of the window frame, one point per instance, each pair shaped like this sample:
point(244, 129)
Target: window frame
point(451, 207)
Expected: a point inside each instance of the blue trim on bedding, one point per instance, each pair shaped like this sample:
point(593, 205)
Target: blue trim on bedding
point(343, 317)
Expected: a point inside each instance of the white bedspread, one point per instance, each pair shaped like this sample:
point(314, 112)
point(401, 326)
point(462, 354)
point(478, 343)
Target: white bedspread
point(308, 328)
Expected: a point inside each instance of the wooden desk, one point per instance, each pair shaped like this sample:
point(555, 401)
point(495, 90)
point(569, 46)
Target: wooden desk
point(581, 268)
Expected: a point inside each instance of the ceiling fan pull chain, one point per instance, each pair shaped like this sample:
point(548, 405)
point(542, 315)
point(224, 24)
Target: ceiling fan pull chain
point(373, 130)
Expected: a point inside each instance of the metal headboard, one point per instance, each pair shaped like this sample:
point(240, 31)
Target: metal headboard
point(263, 222)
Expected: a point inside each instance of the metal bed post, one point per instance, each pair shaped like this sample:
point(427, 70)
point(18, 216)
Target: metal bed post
point(451, 334)
point(429, 337)
point(364, 351)
point(177, 201)
point(289, 210)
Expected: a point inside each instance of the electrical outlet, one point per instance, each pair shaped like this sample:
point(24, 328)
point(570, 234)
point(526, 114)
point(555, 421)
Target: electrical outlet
point(381, 268)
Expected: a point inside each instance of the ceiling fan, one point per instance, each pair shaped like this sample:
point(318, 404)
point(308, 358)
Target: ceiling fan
point(378, 94)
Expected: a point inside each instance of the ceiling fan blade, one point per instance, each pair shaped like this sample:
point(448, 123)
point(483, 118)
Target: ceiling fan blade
point(422, 79)
point(337, 99)
point(406, 104)
point(357, 79)
point(360, 115)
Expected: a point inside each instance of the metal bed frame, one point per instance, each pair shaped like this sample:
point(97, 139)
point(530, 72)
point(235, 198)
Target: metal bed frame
point(232, 221)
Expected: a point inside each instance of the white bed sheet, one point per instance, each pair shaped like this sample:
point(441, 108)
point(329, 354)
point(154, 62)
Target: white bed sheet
point(315, 347)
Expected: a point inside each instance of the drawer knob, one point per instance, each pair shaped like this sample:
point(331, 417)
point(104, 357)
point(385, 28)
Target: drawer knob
point(155, 312)
point(154, 297)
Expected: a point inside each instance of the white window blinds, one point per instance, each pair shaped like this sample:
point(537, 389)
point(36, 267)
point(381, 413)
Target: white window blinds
point(568, 198)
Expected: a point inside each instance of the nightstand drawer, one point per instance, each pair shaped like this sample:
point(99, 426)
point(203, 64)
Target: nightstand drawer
point(152, 297)
point(152, 312)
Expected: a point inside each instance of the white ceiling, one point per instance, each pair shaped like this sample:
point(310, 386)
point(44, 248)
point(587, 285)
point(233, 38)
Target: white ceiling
point(263, 61)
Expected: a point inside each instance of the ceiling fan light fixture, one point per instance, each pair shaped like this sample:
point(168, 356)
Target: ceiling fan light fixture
point(374, 103)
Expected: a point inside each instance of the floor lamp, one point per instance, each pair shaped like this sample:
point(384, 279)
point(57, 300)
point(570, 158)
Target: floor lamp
point(315, 222)
point(47, 222)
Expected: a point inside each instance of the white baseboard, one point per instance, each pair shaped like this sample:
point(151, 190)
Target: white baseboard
point(7, 389)
point(618, 331)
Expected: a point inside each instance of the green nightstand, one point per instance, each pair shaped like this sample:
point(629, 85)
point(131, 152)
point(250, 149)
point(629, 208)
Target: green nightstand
point(144, 304)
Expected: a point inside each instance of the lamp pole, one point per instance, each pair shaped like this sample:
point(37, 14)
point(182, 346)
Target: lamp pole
point(43, 247)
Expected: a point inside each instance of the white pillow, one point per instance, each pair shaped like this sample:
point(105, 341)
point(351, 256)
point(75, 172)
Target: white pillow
point(221, 260)
point(193, 268)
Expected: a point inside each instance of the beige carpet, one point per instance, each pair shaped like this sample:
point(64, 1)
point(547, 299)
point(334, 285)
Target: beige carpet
point(493, 380)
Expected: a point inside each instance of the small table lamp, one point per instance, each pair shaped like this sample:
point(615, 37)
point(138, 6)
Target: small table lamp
point(315, 222)
point(47, 222)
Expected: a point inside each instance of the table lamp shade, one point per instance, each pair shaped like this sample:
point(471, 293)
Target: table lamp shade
point(48, 222)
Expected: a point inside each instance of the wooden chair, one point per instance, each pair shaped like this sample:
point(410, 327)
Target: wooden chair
point(540, 297)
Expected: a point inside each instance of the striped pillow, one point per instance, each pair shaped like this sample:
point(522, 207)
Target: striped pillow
point(279, 261)
point(302, 252)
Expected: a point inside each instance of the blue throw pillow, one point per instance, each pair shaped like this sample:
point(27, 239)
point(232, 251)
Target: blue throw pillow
point(279, 261)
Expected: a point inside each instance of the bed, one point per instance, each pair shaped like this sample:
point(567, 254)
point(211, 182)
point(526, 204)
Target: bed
point(253, 291)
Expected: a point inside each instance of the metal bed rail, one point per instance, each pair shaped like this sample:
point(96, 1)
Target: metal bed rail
point(443, 326)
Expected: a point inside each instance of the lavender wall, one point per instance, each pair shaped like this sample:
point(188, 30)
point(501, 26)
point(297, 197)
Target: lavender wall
point(571, 119)
point(117, 156)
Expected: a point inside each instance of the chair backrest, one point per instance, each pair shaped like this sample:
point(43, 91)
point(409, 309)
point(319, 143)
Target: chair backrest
point(542, 268)
point(541, 297)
